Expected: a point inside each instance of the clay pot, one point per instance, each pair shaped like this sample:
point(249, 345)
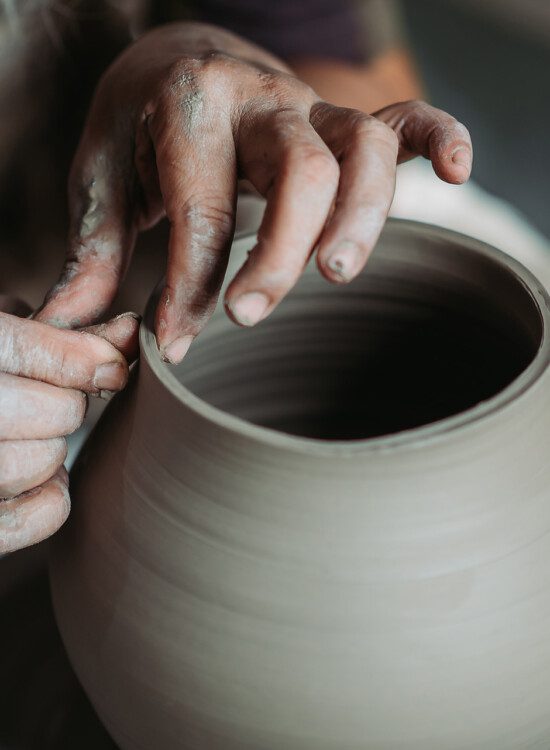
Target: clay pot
point(330, 532)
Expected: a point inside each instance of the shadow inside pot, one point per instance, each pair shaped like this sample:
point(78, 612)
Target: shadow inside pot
point(426, 332)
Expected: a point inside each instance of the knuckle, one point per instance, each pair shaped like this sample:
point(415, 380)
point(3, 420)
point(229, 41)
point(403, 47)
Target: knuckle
point(216, 64)
point(418, 108)
point(382, 134)
point(209, 218)
point(179, 90)
point(287, 91)
point(305, 91)
point(180, 74)
point(316, 164)
point(198, 83)
point(274, 82)
point(418, 105)
point(193, 73)
point(371, 128)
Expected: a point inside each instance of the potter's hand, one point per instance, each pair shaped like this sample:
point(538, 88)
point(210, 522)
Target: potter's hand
point(43, 373)
point(175, 121)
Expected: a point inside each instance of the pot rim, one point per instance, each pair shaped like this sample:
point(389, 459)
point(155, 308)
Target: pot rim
point(406, 438)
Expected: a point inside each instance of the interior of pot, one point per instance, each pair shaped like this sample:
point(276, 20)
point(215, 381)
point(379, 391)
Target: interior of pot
point(431, 328)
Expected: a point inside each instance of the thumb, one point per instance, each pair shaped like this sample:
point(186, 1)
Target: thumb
point(68, 359)
point(122, 332)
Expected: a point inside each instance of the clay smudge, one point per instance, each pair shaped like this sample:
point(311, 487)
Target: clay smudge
point(190, 100)
point(192, 107)
point(93, 210)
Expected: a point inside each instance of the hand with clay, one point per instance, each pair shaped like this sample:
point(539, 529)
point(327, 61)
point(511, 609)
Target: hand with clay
point(44, 375)
point(178, 118)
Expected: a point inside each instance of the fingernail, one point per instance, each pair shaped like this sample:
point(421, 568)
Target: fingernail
point(106, 395)
point(342, 261)
point(249, 308)
point(109, 376)
point(176, 351)
point(461, 157)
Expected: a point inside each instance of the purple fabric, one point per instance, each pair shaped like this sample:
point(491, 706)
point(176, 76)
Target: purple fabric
point(291, 28)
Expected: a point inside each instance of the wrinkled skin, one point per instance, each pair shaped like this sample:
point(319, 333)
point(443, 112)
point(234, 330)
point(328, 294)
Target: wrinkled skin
point(44, 376)
point(177, 120)
point(179, 117)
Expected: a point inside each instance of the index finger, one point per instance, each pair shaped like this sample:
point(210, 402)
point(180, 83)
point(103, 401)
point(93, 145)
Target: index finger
point(69, 359)
point(101, 237)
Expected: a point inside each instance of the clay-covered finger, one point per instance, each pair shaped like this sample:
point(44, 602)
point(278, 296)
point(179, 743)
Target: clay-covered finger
point(197, 174)
point(423, 130)
point(25, 464)
point(367, 151)
point(34, 515)
point(299, 177)
point(122, 332)
point(31, 410)
point(101, 235)
point(70, 359)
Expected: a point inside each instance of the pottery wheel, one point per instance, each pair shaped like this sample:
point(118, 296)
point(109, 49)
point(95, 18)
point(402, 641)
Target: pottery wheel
point(42, 706)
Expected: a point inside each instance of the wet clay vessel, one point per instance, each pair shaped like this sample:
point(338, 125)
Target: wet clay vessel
point(330, 532)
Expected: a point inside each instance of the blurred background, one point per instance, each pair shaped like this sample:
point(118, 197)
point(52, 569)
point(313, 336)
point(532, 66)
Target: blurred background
point(489, 64)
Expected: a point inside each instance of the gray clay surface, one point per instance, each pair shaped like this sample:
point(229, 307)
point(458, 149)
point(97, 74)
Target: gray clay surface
point(331, 532)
